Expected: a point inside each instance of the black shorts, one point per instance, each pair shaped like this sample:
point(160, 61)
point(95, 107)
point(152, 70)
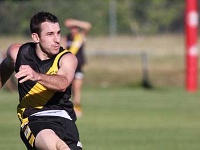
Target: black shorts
point(64, 128)
point(79, 68)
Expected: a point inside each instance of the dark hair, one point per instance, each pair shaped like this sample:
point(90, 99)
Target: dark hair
point(39, 18)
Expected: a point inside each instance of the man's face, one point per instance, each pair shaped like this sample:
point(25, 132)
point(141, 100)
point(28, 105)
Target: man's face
point(49, 39)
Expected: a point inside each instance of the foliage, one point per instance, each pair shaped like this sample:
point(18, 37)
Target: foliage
point(156, 15)
point(133, 16)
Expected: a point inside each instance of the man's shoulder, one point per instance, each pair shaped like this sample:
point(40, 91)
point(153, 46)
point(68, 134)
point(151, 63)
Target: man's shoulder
point(26, 50)
point(13, 50)
point(28, 45)
point(63, 52)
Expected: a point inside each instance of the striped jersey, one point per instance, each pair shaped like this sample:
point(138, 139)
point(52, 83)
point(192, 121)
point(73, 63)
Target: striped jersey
point(34, 98)
point(76, 46)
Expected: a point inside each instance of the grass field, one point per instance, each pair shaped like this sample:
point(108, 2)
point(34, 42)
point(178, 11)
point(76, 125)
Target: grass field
point(123, 118)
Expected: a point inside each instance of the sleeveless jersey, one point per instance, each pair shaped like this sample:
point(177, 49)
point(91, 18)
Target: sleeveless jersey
point(34, 97)
point(79, 52)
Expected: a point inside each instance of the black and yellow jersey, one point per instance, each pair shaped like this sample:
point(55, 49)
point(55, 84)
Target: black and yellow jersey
point(34, 97)
point(76, 46)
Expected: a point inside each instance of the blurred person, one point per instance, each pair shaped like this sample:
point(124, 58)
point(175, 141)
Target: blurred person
point(75, 42)
point(11, 83)
point(44, 71)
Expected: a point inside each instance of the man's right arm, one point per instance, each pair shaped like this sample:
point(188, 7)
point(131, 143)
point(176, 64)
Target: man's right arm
point(7, 65)
point(6, 71)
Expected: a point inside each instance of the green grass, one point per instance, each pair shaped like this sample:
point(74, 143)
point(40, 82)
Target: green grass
point(123, 118)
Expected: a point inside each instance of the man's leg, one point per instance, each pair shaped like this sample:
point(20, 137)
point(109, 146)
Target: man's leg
point(48, 140)
point(77, 89)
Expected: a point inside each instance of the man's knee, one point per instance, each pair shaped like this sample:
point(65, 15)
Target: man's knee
point(47, 139)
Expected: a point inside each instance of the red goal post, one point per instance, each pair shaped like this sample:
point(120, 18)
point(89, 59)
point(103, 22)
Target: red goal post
point(191, 27)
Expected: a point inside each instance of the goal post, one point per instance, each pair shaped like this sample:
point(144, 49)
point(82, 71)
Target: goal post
point(191, 34)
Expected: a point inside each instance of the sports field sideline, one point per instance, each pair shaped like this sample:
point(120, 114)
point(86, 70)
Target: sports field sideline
point(129, 118)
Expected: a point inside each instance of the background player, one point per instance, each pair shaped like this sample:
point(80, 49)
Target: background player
point(75, 42)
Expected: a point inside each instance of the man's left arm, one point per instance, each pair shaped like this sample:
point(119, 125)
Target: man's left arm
point(64, 76)
point(57, 82)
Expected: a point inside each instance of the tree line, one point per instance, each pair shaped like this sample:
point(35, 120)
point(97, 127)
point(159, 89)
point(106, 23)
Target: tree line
point(133, 17)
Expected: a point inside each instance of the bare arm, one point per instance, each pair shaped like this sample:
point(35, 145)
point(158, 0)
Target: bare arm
point(84, 25)
point(65, 74)
point(7, 65)
point(81, 36)
point(57, 82)
point(5, 75)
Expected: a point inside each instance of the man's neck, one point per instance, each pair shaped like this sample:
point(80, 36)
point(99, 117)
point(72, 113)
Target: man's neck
point(41, 53)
